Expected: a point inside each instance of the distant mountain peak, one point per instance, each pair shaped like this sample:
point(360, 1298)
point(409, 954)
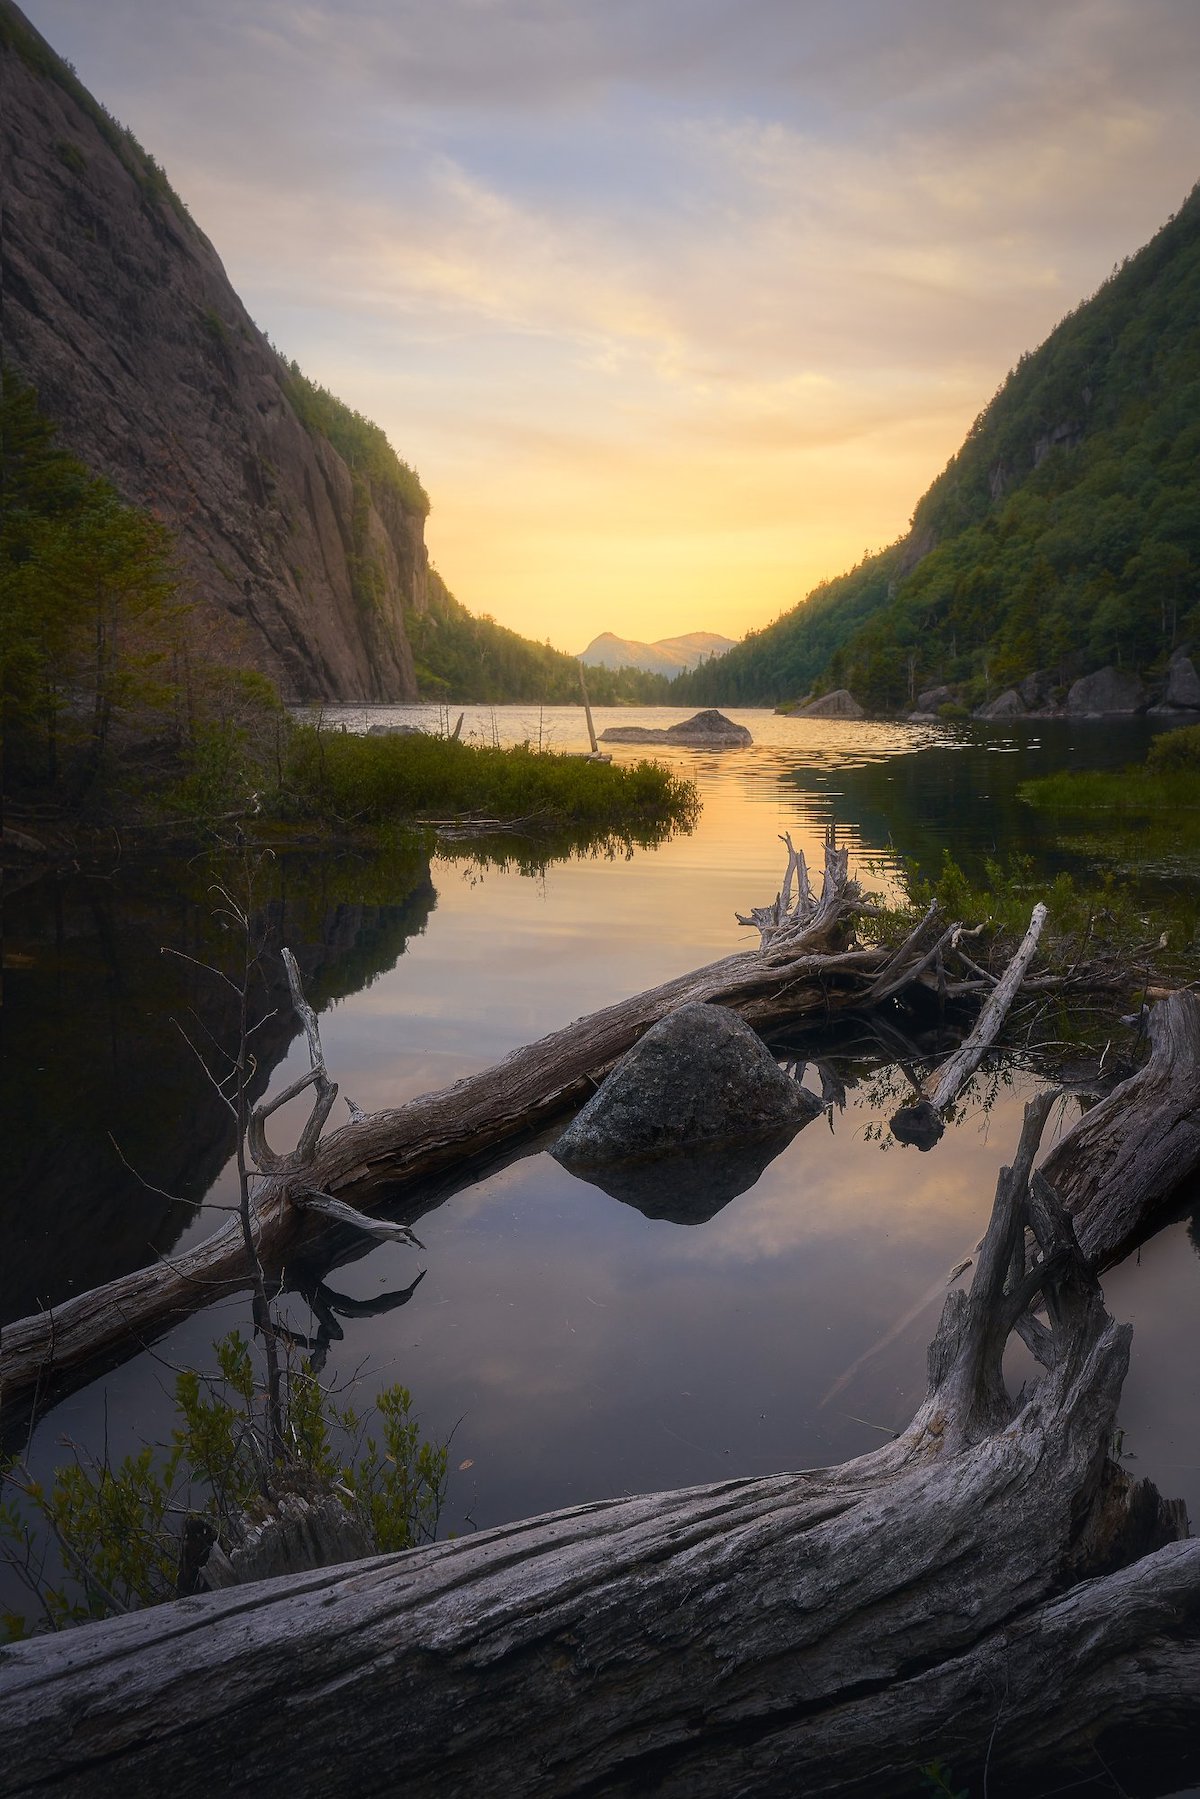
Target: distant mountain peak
point(666, 656)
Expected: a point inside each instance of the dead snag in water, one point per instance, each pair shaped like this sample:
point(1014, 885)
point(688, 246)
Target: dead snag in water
point(921, 1122)
point(985, 1589)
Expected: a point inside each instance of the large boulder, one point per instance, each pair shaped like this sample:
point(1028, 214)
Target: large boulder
point(1006, 705)
point(708, 730)
point(675, 1126)
point(932, 697)
point(1183, 685)
point(1109, 690)
point(841, 703)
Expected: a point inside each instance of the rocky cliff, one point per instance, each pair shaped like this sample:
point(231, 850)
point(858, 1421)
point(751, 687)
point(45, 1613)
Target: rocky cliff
point(116, 307)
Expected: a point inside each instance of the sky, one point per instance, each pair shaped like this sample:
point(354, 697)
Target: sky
point(677, 306)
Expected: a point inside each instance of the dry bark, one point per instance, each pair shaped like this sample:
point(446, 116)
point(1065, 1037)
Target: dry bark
point(987, 1589)
point(921, 1123)
point(1119, 1167)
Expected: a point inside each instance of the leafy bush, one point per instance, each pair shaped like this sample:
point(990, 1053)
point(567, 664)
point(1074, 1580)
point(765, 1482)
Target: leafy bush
point(116, 1533)
point(1175, 752)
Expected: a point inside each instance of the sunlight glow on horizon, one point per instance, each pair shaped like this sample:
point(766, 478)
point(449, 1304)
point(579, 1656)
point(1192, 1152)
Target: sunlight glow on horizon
point(676, 311)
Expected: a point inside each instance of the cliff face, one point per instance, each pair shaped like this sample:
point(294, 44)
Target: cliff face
point(117, 309)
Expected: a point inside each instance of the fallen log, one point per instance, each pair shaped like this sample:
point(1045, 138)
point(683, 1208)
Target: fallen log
point(921, 1122)
point(987, 1590)
point(811, 970)
point(378, 1155)
point(1123, 1162)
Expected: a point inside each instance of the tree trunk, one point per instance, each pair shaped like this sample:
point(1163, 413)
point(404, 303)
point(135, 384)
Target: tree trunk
point(987, 1590)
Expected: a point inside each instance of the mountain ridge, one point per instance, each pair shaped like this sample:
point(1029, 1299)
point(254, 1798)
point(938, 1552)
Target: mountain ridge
point(665, 656)
point(1062, 537)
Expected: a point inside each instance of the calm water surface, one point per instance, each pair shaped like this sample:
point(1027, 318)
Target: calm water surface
point(575, 1348)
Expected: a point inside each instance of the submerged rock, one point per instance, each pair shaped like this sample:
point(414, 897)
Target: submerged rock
point(699, 1083)
point(841, 703)
point(1109, 690)
point(706, 730)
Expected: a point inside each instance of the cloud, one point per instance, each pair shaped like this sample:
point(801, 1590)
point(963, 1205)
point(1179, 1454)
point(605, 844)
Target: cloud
point(712, 273)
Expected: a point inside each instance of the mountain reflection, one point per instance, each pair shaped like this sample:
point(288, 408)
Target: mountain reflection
point(99, 1081)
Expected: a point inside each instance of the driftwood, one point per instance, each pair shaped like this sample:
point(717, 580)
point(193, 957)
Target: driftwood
point(807, 968)
point(1125, 1160)
point(921, 1122)
point(374, 1156)
point(987, 1589)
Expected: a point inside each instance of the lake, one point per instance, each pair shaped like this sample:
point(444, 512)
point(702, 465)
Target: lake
point(570, 1346)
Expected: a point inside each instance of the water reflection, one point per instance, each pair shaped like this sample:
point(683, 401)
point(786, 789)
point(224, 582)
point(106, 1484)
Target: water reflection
point(112, 1135)
point(589, 1349)
point(688, 1188)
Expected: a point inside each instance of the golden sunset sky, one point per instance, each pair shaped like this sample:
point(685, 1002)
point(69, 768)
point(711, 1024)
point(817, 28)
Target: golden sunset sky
point(675, 305)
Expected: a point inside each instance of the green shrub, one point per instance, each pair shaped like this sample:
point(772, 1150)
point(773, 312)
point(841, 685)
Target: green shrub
point(116, 1531)
point(1175, 752)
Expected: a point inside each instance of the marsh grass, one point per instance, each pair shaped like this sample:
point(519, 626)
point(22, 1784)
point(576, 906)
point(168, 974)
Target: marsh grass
point(377, 781)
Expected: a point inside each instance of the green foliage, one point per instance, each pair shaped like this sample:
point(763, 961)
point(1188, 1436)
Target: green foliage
point(87, 602)
point(380, 780)
point(361, 444)
point(1175, 752)
point(462, 656)
point(70, 155)
point(1145, 818)
point(1103, 914)
point(99, 1540)
point(1063, 536)
point(399, 1481)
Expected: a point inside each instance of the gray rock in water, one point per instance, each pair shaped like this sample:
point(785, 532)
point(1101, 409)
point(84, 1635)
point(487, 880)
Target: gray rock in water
point(1110, 690)
point(1007, 705)
point(706, 730)
point(841, 703)
point(394, 731)
point(932, 697)
point(697, 1081)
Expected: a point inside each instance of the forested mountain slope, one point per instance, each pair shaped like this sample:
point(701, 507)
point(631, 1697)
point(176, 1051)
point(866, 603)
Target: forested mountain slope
point(463, 656)
point(1064, 535)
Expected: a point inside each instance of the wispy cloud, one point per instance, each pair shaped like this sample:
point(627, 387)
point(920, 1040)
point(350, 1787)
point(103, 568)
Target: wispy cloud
point(676, 307)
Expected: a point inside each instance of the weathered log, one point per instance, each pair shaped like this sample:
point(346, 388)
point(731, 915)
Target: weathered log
point(375, 1155)
point(921, 1123)
point(1124, 1161)
point(986, 1589)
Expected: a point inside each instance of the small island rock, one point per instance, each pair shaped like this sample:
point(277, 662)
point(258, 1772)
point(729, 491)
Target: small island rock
point(709, 730)
point(698, 1079)
point(841, 703)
